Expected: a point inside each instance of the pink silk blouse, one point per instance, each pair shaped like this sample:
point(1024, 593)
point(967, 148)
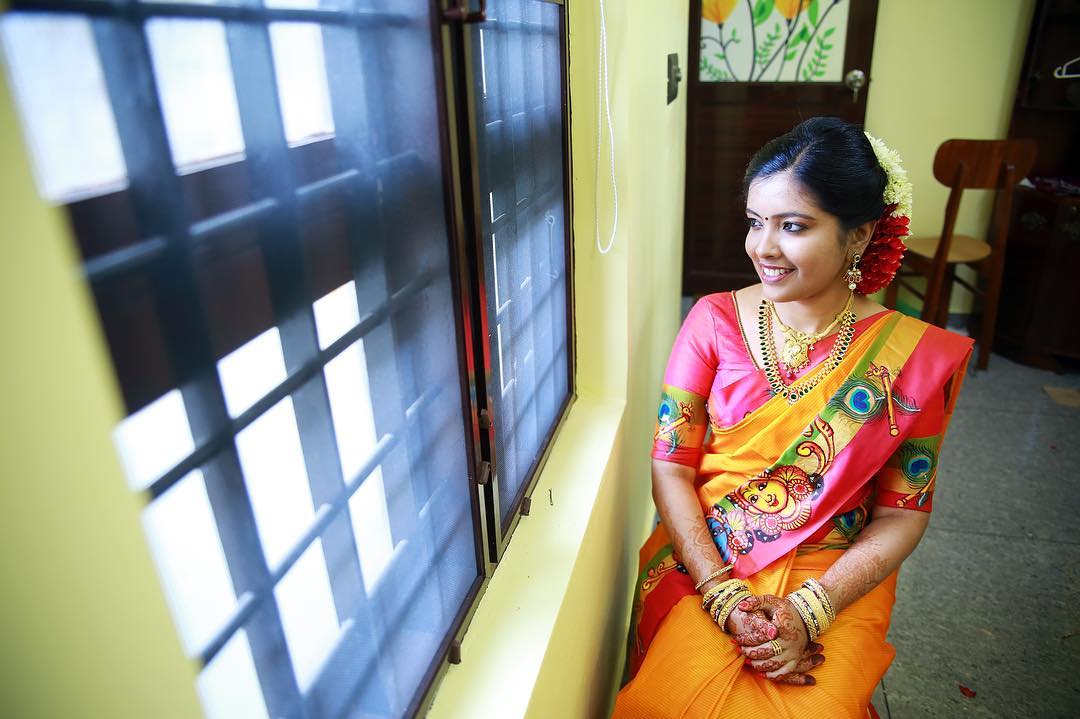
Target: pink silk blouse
point(711, 358)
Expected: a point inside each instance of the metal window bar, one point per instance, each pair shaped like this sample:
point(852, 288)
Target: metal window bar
point(167, 257)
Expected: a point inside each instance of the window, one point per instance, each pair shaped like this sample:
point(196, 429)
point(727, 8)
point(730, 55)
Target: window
point(340, 380)
point(519, 91)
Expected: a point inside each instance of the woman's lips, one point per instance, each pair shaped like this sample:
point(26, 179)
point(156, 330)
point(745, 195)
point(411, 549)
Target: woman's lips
point(774, 274)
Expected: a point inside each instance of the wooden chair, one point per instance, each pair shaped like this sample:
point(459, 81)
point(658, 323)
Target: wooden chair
point(963, 165)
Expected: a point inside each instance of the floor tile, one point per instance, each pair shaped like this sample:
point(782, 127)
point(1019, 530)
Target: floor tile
point(987, 613)
point(1005, 472)
point(1006, 384)
point(990, 600)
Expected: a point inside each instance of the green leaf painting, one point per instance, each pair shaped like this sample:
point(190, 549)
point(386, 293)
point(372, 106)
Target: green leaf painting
point(785, 41)
point(762, 10)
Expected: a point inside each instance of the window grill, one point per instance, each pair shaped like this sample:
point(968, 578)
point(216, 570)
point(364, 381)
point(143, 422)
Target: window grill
point(278, 285)
point(518, 86)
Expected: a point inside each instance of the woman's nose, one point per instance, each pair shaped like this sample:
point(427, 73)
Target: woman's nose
point(767, 245)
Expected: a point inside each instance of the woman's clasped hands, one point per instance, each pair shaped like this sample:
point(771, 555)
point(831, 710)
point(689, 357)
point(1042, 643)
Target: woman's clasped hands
point(770, 634)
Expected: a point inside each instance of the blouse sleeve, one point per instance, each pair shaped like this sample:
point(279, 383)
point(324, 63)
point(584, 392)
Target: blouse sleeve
point(682, 420)
point(907, 479)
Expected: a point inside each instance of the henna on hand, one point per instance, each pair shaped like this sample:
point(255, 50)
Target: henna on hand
point(791, 636)
point(767, 665)
point(863, 567)
point(790, 630)
point(694, 545)
point(806, 680)
point(750, 628)
point(808, 662)
point(879, 549)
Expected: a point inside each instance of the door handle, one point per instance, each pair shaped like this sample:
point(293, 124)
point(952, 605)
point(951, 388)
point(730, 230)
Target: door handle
point(855, 81)
point(460, 12)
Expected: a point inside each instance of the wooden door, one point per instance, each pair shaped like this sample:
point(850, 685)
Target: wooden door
point(797, 54)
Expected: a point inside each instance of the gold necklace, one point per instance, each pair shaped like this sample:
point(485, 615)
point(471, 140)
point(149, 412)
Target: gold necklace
point(792, 393)
point(795, 356)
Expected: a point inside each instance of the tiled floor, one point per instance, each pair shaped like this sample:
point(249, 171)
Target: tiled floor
point(990, 600)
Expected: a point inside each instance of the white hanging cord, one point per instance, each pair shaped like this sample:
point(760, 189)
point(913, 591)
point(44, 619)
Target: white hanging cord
point(602, 90)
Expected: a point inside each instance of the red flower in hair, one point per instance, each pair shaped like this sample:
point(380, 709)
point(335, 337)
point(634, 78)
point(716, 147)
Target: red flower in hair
point(884, 253)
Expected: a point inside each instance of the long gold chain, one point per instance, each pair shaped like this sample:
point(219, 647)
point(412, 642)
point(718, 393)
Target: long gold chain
point(799, 389)
point(795, 356)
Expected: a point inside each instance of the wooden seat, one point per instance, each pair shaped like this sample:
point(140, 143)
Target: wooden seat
point(964, 248)
point(961, 165)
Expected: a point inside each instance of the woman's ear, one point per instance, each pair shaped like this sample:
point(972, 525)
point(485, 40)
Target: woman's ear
point(859, 237)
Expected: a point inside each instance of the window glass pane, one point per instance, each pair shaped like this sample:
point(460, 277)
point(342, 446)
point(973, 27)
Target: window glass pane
point(309, 4)
point(251, 371)
point(350, 403)
point(307, 614)
point(154, 439)
point(184, 539)
point(335, 314)
point(519, 91)
point(371, 525)
point(228, 686)
point(277, 481)
point(60, 91)
point(300, 68)
point(195, 87)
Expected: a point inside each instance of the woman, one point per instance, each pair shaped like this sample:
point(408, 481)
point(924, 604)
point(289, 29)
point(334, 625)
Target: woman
point(795, 452)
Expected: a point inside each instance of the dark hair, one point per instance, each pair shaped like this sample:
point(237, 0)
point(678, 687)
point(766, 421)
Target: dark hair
point(833, 161)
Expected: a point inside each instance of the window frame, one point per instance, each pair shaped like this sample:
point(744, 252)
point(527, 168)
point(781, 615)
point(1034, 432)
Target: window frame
point(453, 54)
point(464, 123)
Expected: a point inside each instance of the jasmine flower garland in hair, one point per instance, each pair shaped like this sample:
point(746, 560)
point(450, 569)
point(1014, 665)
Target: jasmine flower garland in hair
point(885, 251)
point(897, 187)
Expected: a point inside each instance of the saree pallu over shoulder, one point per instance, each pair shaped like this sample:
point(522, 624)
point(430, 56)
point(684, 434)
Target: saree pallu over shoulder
point(770, 481)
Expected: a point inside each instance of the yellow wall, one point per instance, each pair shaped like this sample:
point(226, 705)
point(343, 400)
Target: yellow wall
point(945, 70)
point(650, 139)
point(86, 632)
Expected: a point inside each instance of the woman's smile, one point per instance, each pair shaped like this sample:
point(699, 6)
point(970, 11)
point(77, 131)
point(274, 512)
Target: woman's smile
point(773, 274)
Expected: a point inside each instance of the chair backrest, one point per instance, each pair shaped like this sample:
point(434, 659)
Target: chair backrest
point(982, 162)
point(976, 165)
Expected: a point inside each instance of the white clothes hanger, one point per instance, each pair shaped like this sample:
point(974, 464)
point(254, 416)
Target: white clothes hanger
point(1063, 72)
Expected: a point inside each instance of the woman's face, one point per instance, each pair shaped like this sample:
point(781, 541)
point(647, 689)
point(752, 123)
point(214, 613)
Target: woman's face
point(798, 249)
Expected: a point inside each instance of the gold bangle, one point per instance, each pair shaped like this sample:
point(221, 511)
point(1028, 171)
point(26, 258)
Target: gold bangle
point(714, 575)
point(803, 608)
point(722, 598)
point(823, 596)
point(818, 611)
point(712, 594)
point(721, 616)
point(721, 589)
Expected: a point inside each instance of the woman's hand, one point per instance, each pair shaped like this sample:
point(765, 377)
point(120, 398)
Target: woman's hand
point(749, 629)
point(797, 654)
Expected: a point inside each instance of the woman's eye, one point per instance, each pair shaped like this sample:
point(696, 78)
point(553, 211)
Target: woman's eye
point(793, 227)
point(754, 224)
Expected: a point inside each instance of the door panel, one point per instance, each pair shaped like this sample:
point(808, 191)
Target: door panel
point(729, 119)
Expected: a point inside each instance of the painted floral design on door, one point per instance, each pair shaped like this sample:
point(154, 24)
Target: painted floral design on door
point(773, 40)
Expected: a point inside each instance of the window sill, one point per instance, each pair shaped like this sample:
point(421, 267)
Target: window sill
point(522, 612)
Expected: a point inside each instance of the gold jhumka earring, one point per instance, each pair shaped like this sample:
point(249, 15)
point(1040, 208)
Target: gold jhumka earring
point(854, 275)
